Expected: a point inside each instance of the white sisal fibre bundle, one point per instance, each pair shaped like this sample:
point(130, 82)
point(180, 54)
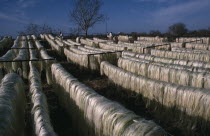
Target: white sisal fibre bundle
point(180, 55)
point(177, 44)
point(68, 43)
point(168, 65)
point(146, 47)
point(40, 113)
point(34, 56)
point(32, 51)
point(125, 38)
point(9, 56)
point(16, 45)
point(204, 40)
point(119, 54)
point(193, 102)
point(96, 39)
point(20, 65)
point(4, 43)
point(23, 38)
point(199, 46)
point(46, 64)
point(51, 36)
point(42, 36)
point(172, 75)
point(12, 106)
point(38, 45)
point(97, 49)
point(97, 115)
point(138, 55)
point(90, 60)
point(88, 50)
point(23, 45)
point(96, 59)
point(133, 44)
point(153, 39)
point(132, 47)
point(111, 47)
point(33, 37)
point(72, 42)
point(140, 49)
point(29, 37)
point(54, 45)
point(78, 51)
point(88, 42)
point(93, 41)
point(143, 43)
point(190, 50)
point(138, 59)
point(44, 54)
point(60, 43)
point(193, 63)
point(81, 59)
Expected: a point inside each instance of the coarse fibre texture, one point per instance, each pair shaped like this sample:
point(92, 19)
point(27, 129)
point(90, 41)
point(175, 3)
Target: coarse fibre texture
point(199, 46)
point(54, 46)
point(168, 65)
point(181, 55)
point(193, 63)
point(9, 56)
point(88, 42)
point(189, 101)
point(12, 106)
point(90, 60)
point(40, 113)
point(167, 74)
point(94, 114)
point(187, 50)
point(19, 64)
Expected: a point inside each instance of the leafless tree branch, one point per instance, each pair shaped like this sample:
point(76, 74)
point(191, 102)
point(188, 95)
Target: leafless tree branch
point(86, 14)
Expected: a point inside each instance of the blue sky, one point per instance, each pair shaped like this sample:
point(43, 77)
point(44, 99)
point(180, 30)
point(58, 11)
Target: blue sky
point(124, 15)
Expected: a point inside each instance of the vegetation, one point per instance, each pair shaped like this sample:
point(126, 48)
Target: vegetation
point(178, 29)
point(37, 29)
point(86, 14)
point(174, 31)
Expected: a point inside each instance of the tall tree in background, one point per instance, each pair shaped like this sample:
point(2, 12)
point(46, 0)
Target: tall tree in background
point(86, 14)
point(178, 29)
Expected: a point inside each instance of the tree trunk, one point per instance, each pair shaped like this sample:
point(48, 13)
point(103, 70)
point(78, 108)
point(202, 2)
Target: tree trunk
point(86, 33)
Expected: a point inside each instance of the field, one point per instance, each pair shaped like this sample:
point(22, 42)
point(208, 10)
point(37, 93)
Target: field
point(90, 86)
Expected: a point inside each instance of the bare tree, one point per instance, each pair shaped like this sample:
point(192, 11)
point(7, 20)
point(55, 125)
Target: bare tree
point(36, 29)
point(46, 29)
point(30, 29)
point(86, 14)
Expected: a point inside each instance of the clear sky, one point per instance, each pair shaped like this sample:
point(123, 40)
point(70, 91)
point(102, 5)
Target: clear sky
point(124, 15)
